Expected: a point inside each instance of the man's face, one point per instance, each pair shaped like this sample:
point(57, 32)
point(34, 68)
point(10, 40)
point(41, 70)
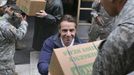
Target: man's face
point(110, 7)
point(67, 31)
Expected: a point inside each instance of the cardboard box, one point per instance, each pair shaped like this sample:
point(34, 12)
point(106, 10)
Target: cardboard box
point(74, 60)
point(30, 7)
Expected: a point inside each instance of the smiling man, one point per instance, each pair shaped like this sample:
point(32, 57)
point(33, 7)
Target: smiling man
point(65, 37)
point(116, 56)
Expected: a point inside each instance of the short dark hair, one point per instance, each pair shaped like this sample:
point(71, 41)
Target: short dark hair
point(68, 18)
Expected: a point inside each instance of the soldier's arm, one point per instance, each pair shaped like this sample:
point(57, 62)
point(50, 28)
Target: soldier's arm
point(111, 59)
point(11, 32)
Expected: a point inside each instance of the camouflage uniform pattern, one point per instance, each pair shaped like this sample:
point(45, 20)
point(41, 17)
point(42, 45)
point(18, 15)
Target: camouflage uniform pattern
point(8, 35)
point(116, 56)
point(98, 30)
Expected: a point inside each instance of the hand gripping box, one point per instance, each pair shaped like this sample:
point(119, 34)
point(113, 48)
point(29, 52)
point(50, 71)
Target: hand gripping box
point(74, 60)
point(30, 7)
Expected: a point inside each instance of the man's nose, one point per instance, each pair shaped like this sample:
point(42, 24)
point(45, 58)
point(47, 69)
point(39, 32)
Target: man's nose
point(68, 33)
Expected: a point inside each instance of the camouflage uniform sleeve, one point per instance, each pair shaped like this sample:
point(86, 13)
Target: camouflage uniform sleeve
point(11, 32)
point(112, 57)
point(21, 31)
point(6, 16)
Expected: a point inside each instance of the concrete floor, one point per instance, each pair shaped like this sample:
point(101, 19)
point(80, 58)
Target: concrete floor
point(23, 69)
point(34, 55)
point(29, 69)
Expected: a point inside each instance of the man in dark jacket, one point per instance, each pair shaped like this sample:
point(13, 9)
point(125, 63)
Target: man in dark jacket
point(116, 56)
point(65, 37)
point(46, 22)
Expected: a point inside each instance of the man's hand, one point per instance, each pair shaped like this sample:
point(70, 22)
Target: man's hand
point(41, 14)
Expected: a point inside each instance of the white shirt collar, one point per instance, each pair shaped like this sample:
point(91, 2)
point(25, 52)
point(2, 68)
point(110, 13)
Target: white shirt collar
point(64, 44)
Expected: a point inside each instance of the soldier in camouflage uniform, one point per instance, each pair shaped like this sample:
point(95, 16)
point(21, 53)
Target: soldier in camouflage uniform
point(101, 22)
point(8, 35)
point(116, 54)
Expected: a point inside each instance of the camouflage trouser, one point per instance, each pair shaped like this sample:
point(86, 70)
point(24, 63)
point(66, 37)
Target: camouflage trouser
point(7, 72)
